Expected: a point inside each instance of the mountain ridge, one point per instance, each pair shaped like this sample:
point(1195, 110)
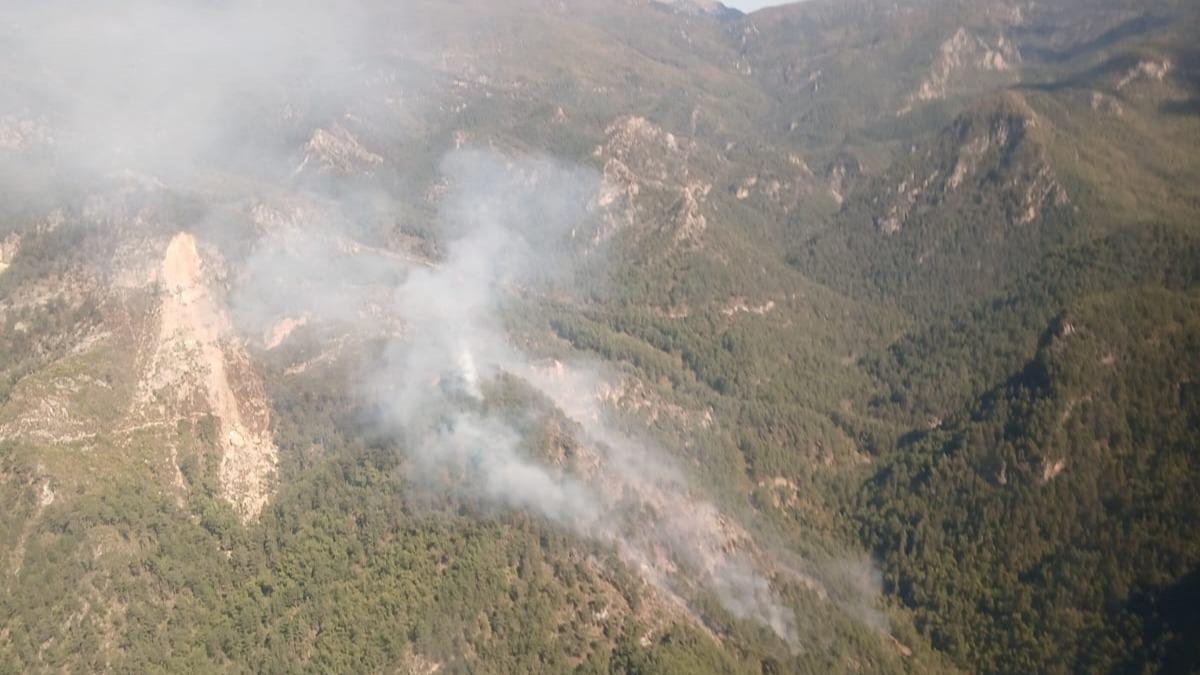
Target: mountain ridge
point(834, 336)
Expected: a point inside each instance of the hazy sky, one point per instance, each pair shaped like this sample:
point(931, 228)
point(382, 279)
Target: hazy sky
point(751, 5)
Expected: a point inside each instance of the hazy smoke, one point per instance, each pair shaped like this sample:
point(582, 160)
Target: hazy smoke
point(510, 223)
point(165, 87)
point(431, 386)
point(510, 226)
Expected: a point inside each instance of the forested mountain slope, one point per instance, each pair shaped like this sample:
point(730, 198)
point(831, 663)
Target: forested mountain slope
point(601, 336)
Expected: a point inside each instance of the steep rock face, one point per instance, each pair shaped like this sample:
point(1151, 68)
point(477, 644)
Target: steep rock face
point(988, 150)
point(673, 187)
point(197, 364)
point(963, 55)
point(129, 356)
point(337, 150)
point(649, 180)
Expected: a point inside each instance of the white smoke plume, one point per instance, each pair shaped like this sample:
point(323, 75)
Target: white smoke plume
point(509, 226)
point(510, 221)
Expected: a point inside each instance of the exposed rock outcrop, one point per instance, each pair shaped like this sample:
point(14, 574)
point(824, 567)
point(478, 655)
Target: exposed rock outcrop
point(646, 168)
point(337, 150)
point(1146, 70)
point(959, 56)
point(993, 143)
point(198, 366)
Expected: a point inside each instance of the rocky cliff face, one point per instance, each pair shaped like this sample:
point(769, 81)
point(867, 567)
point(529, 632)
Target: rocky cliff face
point(170, 357)
point(961, 57)
point(197, 365)
point(996, 148)
point(649, 181)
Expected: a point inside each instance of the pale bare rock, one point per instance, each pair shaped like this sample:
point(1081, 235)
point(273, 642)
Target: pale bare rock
point(39, 485)
point(51, 222)
point(740, 305)
point(902, 648)
point(783, 493)
point(645, 165)
point(963, 53)
point(891, 223)
point(633, 396)
point(135, 265)
point(628, 167)
point(1043, 189)
point(47, 412)
point(998, 135)
point(283, 328)
point(337, 150)
point(46, 498)
point(1051, 469)
point(690, 221)
point(983, 143)
point(1146, 70)
point(908, 192)
point(697, 7)
point(798, 162)
point(747, 185)
point(1069, 410)
point(837, 180)
point(197, 358)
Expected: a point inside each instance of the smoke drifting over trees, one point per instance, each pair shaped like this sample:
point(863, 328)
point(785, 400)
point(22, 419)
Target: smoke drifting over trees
point(184, 95)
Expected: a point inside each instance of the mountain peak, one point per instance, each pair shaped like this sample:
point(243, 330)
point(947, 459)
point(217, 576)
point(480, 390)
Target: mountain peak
point(710, 8)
